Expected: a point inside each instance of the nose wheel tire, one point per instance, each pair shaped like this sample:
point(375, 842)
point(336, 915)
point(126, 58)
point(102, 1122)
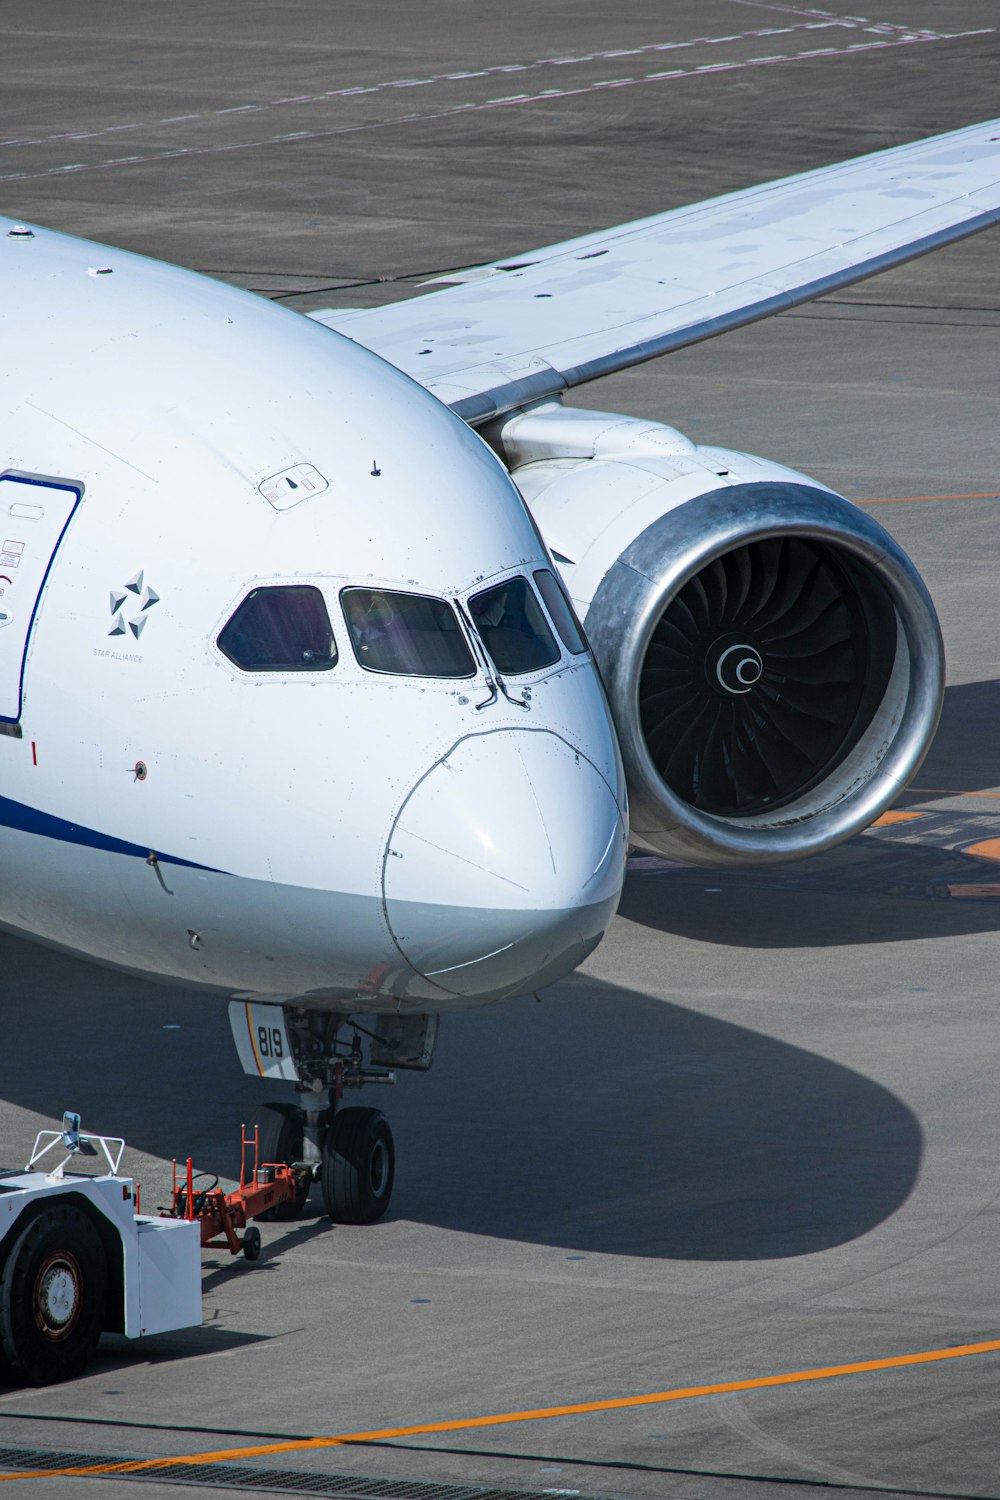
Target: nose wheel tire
point(359, 1163)
point(53, 1296)
point(279, 1139)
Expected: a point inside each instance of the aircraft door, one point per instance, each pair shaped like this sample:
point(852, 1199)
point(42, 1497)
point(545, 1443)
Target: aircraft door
point(34, 514)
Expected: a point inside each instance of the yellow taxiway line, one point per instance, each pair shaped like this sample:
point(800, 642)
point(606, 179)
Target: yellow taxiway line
point(540, 1414)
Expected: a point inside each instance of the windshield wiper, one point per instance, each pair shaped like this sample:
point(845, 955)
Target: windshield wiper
point(494, 684)
point(494, 681)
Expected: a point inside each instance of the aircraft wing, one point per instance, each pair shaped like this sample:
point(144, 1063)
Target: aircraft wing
point(535, 324)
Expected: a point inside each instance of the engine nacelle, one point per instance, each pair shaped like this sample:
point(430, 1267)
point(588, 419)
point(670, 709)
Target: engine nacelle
point(772, 658)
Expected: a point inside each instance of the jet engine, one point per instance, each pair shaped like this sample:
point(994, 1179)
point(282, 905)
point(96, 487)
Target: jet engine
point(771, 656)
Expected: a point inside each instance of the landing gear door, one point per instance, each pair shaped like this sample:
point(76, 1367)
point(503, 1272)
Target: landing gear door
point(34, 515)
point(261, 1039)
point(404, 1041)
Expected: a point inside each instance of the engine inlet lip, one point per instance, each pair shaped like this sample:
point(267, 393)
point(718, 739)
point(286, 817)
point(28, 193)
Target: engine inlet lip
point(627, 607)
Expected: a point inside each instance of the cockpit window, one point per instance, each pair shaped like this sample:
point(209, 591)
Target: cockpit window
point(280, 629)
point(510, 620)
point(562, 614)
point(411, 635)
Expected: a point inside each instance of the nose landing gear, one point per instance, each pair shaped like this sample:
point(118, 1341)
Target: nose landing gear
point(349, 1151)
point(356, 1166)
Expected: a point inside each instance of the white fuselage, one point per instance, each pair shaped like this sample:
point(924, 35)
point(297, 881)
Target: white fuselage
point(321, 833)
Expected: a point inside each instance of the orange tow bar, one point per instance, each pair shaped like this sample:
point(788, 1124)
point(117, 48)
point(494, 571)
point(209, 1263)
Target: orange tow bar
point(221, 1214)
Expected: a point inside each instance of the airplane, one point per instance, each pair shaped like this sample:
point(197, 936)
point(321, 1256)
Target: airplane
point(341, 662)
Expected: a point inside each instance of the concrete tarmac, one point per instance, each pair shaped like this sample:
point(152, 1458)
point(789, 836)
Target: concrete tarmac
point(759, 1132)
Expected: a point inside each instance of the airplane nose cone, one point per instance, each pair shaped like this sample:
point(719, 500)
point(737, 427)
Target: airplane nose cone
point(504, 865)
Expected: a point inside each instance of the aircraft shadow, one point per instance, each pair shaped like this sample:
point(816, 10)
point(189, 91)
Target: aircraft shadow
point(600, 1120)
point(915, 882)
point(607, 1121)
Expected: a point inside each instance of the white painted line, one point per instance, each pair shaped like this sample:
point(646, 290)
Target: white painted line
point(514, 100)
point(577, 60)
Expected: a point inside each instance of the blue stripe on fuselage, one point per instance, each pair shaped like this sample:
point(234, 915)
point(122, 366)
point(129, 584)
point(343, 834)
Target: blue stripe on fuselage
point(30, 820)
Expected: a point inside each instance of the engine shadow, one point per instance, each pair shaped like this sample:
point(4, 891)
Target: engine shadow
point(600, 1120)
point(908, 881)
point(965, 754)
point(885, 895)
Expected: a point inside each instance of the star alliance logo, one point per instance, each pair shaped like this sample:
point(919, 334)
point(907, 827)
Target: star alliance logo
point(143, 599)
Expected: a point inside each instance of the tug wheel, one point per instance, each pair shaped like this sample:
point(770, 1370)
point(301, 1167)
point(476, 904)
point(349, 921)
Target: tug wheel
point(279, 1139)
point(359, 1163)
point(251, 1242)
point(53, 1296)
